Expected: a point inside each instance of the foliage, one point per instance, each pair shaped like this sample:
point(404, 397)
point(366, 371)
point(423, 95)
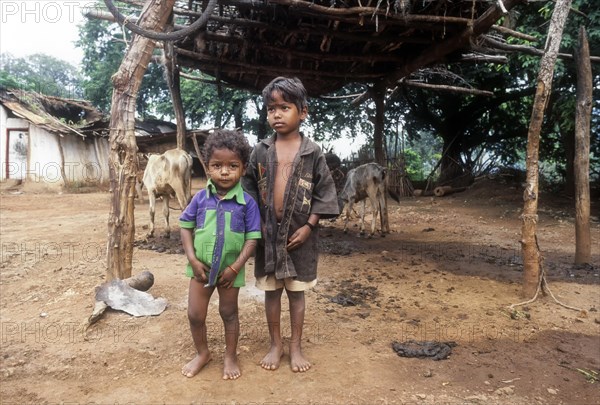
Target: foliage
point(103, 48)
point(205, 104)
point(40, 73)
point(495, 128)
point(208, 104)
point(331, 118)
point(414, 165)
point(476, 132)
point(7, 81)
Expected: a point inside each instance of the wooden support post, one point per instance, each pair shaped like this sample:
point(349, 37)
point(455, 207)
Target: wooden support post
point(583, 242)
point(122, 158)
point(531, 254)
point(378, 95)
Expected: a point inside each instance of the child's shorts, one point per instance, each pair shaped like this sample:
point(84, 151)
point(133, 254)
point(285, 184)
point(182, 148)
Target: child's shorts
point(270, 283)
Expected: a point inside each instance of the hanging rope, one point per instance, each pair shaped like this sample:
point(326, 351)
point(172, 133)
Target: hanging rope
point(163, 36)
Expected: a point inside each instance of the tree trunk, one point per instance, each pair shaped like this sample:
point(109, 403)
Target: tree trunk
point(531, 259)
point(263, 129)
point(450, 167)
point(123, 148)
point(378, 95)
point(238, 114)
point(583, 248)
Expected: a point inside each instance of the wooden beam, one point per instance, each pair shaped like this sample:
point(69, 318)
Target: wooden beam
point(473, 57)
point(106, 16)
point(529, 50)
point(450, 89)
point(198, 78)
point(223, 64)
point(355, 15)
point(329, 11)
point(513, 33)
point(318, 56)
point(583, 112)
point(440, 49)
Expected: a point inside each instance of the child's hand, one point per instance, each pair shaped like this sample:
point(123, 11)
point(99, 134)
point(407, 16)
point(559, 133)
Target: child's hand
point(298, 237)
point(200, 270)
point(227, 278)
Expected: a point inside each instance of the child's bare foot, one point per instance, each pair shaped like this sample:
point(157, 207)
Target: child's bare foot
point(196, 364)
point(273, 358)
point(297, 360)
point(231, 369)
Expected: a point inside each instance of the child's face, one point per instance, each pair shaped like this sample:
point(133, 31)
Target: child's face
point(225, 169)
point(284, 116)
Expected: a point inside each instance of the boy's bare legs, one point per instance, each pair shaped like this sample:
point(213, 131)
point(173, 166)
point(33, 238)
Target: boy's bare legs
point(297, 307)
point(228, 309)
point(273, 311)
point(198, 300)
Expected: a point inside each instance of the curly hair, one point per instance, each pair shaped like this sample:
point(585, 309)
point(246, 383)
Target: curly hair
point(227, 139)
point(291, 89)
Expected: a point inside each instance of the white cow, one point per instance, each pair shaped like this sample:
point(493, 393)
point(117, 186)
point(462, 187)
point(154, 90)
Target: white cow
point(368, 180)
point(168, 175)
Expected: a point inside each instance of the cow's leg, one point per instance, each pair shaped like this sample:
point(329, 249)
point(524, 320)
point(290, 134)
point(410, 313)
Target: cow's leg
point(375, 210)
point(181, 181)
point(383, 213)
point(151, 208)
point(348, 211)
point(138, 190)
point(179, 187)
point(166, 199)
point(362, 216)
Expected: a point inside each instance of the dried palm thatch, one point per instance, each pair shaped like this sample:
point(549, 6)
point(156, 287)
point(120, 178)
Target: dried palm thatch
point(328, 44)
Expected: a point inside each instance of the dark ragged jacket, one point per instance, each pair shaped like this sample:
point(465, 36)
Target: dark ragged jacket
point(310, 190)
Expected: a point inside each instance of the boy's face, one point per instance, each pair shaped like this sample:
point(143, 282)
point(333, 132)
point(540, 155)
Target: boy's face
point(284, 116)
point(225, 169)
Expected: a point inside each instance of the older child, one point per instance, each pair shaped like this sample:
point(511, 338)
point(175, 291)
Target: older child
point(219, 229)
point(288, 176)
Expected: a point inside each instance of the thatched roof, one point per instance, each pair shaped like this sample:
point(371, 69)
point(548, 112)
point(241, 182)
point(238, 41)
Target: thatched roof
point(54, 114)
point(328, 44)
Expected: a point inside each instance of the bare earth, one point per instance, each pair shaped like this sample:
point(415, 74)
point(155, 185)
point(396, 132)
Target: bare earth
point(447, 272)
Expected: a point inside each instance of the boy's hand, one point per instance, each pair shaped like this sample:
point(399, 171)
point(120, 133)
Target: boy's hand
point(227, 278)
point(200, 270)
point(298, 237)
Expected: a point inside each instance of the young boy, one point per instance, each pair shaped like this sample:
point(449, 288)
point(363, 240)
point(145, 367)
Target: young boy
point(219, 229)
point(289, 178)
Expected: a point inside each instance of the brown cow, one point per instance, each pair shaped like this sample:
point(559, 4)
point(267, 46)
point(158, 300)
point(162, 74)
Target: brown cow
point(368, 180)
point(168, 175)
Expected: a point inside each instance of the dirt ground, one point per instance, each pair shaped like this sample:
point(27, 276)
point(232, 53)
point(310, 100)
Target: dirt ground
point(446, 272)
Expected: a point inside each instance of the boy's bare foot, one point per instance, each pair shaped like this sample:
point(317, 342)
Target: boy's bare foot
point(272, 359)
point(196, 364)
point(297, 360)
point(231, 369)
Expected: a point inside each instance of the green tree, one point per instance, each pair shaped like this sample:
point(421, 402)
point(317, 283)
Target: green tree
point(208, 104)
point(473, 126)
point(103, 48)
point(40, 73)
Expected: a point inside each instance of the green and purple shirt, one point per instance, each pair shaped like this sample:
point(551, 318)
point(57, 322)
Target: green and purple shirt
point(221, 226)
